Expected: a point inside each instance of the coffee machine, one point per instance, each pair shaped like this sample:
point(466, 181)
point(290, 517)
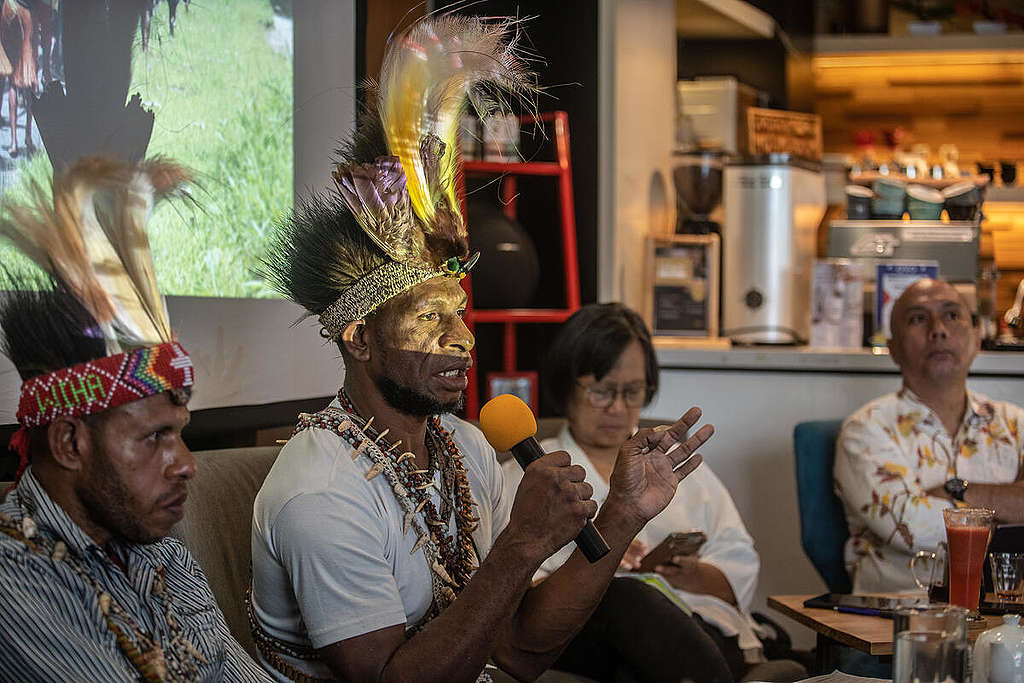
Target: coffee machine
point(772, 205)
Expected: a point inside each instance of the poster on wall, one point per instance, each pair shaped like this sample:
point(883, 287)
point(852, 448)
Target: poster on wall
point(837, 304)
point(208, 84)
point(892, 278)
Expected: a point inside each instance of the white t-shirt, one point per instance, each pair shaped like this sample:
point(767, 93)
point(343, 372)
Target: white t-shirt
point(330, 559)
point(701, 503)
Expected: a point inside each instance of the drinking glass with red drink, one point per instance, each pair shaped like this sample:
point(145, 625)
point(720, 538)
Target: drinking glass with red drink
point(968, 531)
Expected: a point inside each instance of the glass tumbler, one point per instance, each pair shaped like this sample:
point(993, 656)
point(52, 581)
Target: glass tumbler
point(968, 531)
point(930, 645)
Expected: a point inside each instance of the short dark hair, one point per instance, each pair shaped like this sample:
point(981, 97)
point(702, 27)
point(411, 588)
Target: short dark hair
point(590, 343)
point(44, 326)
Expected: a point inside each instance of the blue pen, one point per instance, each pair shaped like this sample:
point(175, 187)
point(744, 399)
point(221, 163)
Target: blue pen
point(867, 611)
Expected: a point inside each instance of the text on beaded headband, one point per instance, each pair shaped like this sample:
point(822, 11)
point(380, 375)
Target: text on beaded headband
point(104, 383)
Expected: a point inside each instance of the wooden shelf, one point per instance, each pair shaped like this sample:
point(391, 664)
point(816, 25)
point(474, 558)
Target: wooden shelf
point(722, 19)
point(962, 42)
point(869, 177)
point(518, 315)
point(543, 168)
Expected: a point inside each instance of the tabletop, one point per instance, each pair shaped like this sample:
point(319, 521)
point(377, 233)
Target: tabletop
point(865, 633)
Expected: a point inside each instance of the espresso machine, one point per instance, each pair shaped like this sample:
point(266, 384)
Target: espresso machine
point(772, 205)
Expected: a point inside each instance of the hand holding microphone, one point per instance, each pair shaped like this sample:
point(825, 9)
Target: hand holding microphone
point(509, 425)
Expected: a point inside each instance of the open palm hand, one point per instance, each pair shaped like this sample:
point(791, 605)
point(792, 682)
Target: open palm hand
point(649, 467)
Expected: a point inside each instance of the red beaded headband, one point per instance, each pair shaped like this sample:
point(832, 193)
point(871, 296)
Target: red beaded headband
point(104, 383)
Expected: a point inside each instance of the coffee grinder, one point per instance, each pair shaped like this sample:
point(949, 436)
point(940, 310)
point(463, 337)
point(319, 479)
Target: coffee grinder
point(697, 175)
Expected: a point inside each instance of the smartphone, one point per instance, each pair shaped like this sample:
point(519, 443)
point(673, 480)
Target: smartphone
point(872, 605)
point(679, 543)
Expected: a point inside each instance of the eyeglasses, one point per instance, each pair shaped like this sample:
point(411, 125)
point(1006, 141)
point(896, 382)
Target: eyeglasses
point(600, 396)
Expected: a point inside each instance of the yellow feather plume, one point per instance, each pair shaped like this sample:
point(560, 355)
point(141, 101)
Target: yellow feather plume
point(428, 75)
point(90, 233)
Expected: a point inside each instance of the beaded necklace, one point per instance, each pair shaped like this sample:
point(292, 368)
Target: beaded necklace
point(451, 559)
point(175, 664)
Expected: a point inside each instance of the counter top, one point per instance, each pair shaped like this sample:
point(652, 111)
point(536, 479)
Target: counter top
point(802, 359)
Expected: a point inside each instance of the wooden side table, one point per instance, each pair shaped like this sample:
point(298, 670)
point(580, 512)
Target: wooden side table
point(872, 635)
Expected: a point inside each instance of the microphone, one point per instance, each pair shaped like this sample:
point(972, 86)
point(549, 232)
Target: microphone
point(509, 425)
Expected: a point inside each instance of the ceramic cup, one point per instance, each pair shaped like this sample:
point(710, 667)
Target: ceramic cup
point(889, 188)
point(924, 203)
point(999, 653)
point(961, 201)
point(888, 209)
point(858, 202)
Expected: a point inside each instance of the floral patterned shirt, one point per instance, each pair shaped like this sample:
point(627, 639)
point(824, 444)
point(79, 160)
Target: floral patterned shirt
point(890, 453)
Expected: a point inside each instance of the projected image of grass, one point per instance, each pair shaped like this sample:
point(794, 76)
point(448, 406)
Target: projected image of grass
point(223, 102)
point(221, 90)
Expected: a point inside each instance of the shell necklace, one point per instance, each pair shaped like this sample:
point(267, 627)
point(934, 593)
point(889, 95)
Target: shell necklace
point(451, 559)
point(176, 663)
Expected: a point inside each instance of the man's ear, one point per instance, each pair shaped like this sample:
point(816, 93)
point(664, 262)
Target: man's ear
point(894, 349)
point(69, 441)
point(356, 340)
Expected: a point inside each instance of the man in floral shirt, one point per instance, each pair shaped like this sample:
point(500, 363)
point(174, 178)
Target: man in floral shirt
point(904, 457)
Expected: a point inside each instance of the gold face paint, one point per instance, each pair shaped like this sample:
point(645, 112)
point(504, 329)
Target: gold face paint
point(420, 341)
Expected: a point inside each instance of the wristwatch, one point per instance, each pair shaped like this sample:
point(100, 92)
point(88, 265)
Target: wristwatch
point(956, 488)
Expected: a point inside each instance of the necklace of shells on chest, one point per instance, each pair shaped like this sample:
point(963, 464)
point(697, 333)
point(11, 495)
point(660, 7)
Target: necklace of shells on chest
point(451, 559)
point(177, 662)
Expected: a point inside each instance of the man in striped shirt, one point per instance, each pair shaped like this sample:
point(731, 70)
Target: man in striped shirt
point(52, 627)
point(91, 588)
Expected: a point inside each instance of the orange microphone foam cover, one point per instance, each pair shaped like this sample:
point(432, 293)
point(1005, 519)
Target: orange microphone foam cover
point(505, 421)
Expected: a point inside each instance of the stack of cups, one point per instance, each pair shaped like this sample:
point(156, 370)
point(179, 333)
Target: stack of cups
point(889, 197)
point(858, 202)
point(924, 203)
point(962, 201)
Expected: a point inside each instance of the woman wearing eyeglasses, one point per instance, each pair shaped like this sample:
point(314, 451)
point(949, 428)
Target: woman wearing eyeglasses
point(599, 373)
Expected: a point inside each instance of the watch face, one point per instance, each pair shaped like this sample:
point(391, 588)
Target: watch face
point(955, 488)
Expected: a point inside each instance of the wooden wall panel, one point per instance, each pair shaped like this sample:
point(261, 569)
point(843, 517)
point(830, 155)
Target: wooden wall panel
point(973, 100)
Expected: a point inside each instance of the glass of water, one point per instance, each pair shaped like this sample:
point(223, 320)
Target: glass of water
point(1007, 575)
point(930, 645)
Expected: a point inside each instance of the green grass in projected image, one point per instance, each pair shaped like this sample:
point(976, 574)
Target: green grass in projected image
point(221, 90)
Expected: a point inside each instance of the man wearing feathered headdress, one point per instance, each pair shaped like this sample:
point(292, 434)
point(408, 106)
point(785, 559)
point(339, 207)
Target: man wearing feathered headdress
point(92, 591)
point(383, 548)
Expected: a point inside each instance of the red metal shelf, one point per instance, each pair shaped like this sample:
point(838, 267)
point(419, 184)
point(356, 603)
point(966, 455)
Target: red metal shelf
point(542, 168)
point(509, 318)
point(519, 315)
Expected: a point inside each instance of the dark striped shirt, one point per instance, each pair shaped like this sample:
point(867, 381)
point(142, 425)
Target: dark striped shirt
point(51, 626)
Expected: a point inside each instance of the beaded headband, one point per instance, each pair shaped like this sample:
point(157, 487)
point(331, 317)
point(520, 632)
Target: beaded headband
point(382, 283)
point(104, 383)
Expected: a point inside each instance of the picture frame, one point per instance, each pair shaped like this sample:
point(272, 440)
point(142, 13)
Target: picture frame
point(522, 384)
point(682, 286)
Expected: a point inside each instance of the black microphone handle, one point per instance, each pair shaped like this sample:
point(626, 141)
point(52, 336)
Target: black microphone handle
point(589, 541)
